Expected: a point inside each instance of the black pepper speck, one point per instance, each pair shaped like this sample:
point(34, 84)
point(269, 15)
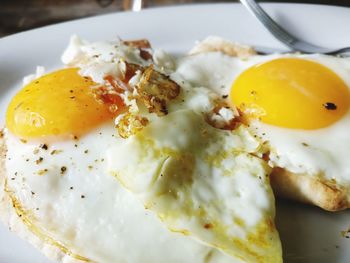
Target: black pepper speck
point(63, 169)
point(330, 106)
point(44, 146)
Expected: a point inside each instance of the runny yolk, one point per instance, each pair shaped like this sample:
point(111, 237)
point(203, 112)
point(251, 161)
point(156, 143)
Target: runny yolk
point(292, 93)
point(59, 103)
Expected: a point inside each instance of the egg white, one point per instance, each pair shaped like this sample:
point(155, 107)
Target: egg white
point(86, 209)
point(203, 182)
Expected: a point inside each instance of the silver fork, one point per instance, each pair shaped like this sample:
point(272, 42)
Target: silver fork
point(134, 5)
point(282, 35)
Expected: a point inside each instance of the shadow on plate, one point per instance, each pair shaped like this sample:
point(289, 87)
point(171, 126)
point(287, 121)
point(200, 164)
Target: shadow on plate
point(310, 234)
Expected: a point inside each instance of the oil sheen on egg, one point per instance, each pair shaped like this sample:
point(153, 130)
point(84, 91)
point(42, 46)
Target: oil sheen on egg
point(302, 102)
point(202, 181)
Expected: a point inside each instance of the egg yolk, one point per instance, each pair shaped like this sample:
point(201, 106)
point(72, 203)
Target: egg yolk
point(292, 93)
point(59, 103)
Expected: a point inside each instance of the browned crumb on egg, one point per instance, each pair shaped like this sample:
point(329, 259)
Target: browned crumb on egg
point(139, 43)
point(42, 172)
point(130, 70)
point(213, 118)
point(266, 156)
point(86, 151)
point(155, 90)
point(145, 54)
point(53, 152)
point(82, 196)
point(90, 167)
point(23, 140)
point(129, 124)
point(39, 160)
point(1, 133)
point(208, 226)
point(143, 45)
point(63, 170)
point(110, 94)
point(330, 106)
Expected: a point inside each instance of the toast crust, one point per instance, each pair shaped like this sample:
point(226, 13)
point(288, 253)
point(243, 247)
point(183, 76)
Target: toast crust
point(309, 189)
point(9, 216)
point(213, 44)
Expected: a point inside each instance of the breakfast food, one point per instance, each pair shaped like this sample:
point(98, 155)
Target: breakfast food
point(297, 104)
point(112, 160)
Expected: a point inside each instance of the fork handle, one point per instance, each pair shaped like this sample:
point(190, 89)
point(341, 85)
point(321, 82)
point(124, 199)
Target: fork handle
point(271, 25)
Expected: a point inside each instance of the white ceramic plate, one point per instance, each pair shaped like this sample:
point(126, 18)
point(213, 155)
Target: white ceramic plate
point(308, 234)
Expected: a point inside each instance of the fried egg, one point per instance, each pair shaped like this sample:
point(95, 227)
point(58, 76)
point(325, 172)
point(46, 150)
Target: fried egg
point(298, 104)
point(109, 160)
point(202, 182)
point(58, 182)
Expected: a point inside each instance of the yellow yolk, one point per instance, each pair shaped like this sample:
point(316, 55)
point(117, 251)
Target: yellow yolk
point(59, 103)
point(291, 92)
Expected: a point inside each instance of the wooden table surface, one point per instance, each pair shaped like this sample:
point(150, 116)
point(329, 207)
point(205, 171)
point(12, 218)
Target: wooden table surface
point(19, 15)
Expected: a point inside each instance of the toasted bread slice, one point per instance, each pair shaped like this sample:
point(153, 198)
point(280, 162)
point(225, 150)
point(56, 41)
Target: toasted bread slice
point(309, 189)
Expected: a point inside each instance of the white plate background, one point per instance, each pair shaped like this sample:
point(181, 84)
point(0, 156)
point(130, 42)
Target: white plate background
point(308, 234)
